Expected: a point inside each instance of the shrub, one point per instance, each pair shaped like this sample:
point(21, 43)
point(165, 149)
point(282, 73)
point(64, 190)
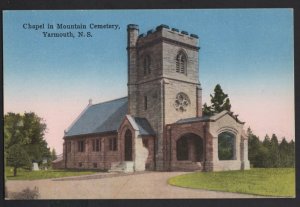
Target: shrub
point(26, 194)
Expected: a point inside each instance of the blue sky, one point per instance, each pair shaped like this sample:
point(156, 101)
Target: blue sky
point(248, 51)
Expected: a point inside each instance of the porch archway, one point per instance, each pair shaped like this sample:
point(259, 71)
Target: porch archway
point(190, 147)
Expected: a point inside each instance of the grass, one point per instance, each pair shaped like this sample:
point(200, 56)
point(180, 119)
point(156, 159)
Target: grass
point(257, 181)
point(23, 174)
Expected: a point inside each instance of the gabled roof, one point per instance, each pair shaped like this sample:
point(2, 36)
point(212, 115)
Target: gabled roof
point(58, 159)
point(99, 118)
point(141, 124)
point(194, 119)
point(209, 118)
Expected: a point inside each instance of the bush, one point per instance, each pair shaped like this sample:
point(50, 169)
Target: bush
point(27, 194)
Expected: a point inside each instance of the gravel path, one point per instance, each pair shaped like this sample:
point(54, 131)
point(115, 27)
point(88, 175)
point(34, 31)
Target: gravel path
point(145, 185)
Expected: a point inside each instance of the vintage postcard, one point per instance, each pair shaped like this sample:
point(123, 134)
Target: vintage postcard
point(149, 104)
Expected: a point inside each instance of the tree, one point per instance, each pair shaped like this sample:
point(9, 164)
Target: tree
point(269, 152)
point(267, 142)
point(291, 154)
point(219, 101)
point(17, 157)
point(27, 130)
point(12, 129)
point(274, 151)
point(53, 154)
point(262, 158)
point(207, 111)
point(254, 145)
point(283, 152)
point(268, 161)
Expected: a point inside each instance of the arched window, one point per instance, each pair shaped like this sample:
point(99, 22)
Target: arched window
point(181, 61)
point(147, 64)
point(226, 146)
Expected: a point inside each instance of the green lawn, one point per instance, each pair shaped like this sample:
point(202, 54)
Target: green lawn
point(44, 174)
point(258, 181)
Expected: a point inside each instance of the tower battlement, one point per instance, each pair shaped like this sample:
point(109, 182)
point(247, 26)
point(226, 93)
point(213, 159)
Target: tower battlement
point(163, 27)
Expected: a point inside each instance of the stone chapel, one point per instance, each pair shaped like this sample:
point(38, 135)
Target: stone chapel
point(159, 125)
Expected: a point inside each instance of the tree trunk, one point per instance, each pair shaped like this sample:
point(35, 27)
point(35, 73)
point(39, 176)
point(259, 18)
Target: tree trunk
point(15, 171)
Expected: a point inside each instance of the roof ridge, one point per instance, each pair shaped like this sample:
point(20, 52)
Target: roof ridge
point(110, 101)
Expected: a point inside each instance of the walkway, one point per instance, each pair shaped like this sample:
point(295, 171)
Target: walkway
point(144, 185)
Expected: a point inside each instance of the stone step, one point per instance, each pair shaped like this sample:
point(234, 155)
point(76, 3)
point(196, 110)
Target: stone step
point(122, 167)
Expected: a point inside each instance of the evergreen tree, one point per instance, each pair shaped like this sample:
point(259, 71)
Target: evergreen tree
point(274, 151)
point(207, 111)
point(283, 152)
point(53, 154)
point(291, 155)
point(269, 152)
point(219, 101)
point(262, 157)
point(266, 144)
point(253, 148)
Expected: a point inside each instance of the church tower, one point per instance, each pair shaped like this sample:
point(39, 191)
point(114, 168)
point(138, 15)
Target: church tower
point(163, 80)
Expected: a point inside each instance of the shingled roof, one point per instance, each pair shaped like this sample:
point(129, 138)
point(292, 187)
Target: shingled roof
point(141, 124)
point(210, 118)
point(99, 118)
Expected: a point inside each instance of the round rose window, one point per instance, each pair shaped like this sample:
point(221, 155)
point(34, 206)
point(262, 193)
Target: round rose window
point(182, 101)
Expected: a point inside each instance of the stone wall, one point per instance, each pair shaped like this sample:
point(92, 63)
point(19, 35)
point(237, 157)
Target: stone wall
point(208, 131)
point(155, 54)
point(163, 83)
point(132, 35)
point(172, 88)
point(142, 147)
point(175, 132)
point(170, 52)
point(90, 159)
point(227, 124)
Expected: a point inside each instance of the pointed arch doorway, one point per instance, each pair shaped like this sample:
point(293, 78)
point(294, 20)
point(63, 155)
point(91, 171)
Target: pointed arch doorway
point(128, 145)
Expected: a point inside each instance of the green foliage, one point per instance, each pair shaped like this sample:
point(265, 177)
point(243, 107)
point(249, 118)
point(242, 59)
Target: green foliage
point(225, 146)
point(219, 101)
point(259, 181)
point(17, 157)
point(207, 110)
point(12, 129)
point(28, 131)
point(53, 154)
point(269, 152)
point(24, 174)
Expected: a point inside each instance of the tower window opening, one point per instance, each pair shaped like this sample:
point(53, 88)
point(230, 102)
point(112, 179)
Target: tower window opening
point(181, 62)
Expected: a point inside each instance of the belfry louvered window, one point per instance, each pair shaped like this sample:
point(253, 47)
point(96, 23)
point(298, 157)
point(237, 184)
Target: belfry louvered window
point(181, 61)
